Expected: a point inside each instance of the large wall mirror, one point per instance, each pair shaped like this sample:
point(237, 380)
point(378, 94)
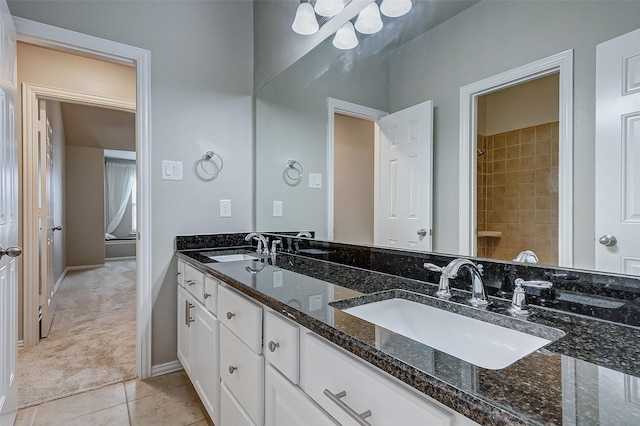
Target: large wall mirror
point(307, 176)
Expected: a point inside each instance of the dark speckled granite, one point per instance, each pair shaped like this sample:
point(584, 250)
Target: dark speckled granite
point(572, 381)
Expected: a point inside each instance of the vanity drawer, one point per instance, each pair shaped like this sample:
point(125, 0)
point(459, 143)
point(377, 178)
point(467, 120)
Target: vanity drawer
point(193, 281)
point(339, 383)
point(210, 294)
point(242, 317)
point(282, 344)
point(243, 372)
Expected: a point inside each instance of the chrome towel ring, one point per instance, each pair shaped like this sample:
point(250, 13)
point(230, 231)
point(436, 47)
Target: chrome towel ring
point(209, 166)
point(292, 174)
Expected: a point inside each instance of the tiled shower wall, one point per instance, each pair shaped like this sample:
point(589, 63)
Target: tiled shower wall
point(518, 193)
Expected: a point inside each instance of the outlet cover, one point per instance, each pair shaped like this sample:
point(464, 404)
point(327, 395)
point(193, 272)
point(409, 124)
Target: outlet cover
point(315, 302)
point(225, 208)
point(315, 180)
point(277, 208)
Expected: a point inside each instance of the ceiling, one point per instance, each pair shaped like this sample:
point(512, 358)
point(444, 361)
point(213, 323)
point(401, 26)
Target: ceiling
point(95, 127)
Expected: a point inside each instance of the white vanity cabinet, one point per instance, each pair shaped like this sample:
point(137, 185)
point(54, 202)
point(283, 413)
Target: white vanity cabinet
point(198, 337)
point(241, 362)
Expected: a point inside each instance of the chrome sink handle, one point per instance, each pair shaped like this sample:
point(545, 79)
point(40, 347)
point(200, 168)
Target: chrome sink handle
point(443, 291)
point(519, 301)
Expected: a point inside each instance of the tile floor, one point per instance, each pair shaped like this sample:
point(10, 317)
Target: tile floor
point(164, 400)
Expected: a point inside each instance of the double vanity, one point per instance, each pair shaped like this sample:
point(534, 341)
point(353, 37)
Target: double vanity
point(319, 333)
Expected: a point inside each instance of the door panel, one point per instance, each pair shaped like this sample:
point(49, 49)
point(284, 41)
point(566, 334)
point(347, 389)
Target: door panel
point(8, 221)
point(403, 207)
point(618, 154)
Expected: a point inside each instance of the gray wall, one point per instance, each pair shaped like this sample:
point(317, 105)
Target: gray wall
point(201, 92)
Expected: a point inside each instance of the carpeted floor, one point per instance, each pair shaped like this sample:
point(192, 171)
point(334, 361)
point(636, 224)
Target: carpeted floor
point(92, 341)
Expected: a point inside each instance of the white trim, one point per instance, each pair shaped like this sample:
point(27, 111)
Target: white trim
point(60, 279)
point(353, 110)
point(110, 259)
point(20, 344)
point(167, 367)
point(70, 41)
point(562, 63)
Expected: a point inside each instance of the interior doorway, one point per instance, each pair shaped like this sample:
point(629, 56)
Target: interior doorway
point(517, 171)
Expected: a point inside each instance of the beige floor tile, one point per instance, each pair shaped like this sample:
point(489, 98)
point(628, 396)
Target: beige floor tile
point(25, 417)
point(205, 422)
point(175, 407)
point(58, 412)
point(136, 389)
point(112, 416)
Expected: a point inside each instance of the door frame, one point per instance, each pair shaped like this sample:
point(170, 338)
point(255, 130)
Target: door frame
point(352, 110)
point(561, 63)
point(77, 43)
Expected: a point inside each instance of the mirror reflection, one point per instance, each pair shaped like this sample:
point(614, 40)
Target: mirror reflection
point(429, 55)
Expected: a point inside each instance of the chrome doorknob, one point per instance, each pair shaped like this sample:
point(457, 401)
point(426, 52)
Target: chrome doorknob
point(422, 232)
point(57, 228)
point(608, 240)
point(10, 251)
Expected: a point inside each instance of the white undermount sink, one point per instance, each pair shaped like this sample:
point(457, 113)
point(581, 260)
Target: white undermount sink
point(233, 257)
point(477, 342)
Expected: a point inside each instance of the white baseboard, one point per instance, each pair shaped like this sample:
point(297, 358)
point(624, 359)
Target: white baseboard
point(84, 267)
point(167, 367)
point(120, 258)
point(59, 281)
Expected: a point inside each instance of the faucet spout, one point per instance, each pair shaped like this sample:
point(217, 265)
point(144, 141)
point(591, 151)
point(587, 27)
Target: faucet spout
point(478, 295)
point(262, 242)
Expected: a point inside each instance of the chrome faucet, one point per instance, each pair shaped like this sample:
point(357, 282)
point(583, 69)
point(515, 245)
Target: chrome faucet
point(262, 242)
point(478, 296)
point(526, 256)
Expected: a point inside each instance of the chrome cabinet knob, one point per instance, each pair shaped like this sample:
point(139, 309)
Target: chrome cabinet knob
point(273, 346)
point(608, 240)
point(230, 315)
point(422, 232)
point(207, 295)
point(57, 228)
point(232, 368)
point(10, 251)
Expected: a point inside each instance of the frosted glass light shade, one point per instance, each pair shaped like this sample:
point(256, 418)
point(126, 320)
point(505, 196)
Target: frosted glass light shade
point(329, 7)
point(305, 22)
point(369, 21)
point(345, 37)
point(395, 8)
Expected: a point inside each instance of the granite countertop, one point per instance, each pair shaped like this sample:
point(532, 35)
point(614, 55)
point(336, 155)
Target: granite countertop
point(587, 376)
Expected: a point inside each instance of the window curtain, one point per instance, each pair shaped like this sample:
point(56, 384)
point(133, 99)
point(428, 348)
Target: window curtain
point(119, 179)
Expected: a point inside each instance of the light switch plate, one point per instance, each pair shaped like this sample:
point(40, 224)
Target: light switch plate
point(277, 208)
point(277, 279)
point(315, 180)
point(315, 302)
point(225, 208)
point(171, 170)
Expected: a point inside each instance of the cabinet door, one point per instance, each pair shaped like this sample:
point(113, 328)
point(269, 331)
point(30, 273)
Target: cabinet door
point(287, 405)
point(242, 371)
point(206, 360)
point(231, 413)
point(185, 320)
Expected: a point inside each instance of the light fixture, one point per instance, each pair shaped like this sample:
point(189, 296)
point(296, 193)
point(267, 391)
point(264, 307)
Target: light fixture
point(345, 37)
point(369, 21)
point(395, 8)
point(305, 22)
point(329, 7)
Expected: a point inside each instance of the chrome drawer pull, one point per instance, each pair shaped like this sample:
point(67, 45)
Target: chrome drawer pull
point(359, 418)
point(230, 315)
point(273, 346)
point(232, 368)
point(187, 313)
point(190, 282)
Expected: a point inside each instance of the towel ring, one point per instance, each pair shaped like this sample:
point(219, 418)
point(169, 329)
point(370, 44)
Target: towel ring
point(209, 166)
point(292, 174)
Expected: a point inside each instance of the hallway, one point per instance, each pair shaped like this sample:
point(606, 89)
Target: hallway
point(92, 342)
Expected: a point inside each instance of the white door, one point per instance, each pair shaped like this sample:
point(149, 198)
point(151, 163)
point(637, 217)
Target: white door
point(618, 154)
point(46, 218)
point(402, 217)
point(8, 221)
